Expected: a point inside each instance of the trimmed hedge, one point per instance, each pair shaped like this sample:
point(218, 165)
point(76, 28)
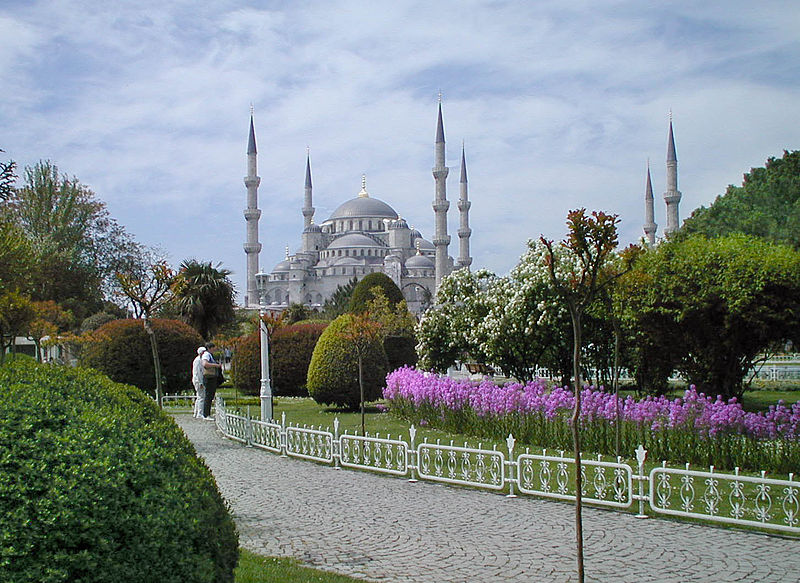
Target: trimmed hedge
point(290, 352)
point(121, 350)
point(362, 294)
point(97, 484)
point(333, 371)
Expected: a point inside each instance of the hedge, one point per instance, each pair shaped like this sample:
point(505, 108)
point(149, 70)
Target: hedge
point(97, 484)
point(121, 350)
point(290, 352)
point(333, 372)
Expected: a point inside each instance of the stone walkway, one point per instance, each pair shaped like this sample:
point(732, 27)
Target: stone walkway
point(387, 529)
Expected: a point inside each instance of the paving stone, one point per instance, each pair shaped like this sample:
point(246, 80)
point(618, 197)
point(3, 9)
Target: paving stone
point(387, 529)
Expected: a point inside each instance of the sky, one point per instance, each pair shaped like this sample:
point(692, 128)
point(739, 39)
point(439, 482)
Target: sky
point(559, 106)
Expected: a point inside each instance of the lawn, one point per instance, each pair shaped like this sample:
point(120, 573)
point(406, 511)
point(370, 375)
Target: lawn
point(255, 568)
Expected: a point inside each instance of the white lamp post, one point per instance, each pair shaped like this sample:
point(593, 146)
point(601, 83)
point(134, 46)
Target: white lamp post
point(266, 388)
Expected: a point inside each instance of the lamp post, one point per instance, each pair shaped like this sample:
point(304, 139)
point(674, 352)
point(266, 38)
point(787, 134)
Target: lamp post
point(266, 388)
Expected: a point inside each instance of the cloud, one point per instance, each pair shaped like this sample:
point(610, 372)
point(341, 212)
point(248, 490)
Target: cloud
point(559, 105)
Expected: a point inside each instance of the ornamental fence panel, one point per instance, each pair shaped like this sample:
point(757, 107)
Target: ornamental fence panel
point(178, 401)
point(731, 498)
point(727, 498)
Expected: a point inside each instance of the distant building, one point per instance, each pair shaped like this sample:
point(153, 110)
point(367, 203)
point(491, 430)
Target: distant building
point(363, 235)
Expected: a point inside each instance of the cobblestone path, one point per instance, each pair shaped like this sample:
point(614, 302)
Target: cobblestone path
point(387, 529)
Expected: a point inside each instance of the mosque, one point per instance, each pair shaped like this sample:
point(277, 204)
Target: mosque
point(366, 235)
point(363, 235)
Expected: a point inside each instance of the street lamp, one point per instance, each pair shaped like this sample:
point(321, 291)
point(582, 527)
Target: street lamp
point(266, 388)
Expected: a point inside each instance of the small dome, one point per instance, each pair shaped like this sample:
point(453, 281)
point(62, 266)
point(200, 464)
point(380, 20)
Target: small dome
point(399, 224)
point(415, 234)
point(313, 228)
point(353, 240)
point(419, 262)
point(281, 267)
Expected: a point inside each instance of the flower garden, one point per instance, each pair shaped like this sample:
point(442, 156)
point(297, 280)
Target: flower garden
point(695, 428)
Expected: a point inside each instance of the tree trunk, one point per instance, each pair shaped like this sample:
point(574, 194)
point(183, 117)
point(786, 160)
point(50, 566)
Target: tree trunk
point(156, 360)
point(617, 334)
point(361, 388)
point(576, 436)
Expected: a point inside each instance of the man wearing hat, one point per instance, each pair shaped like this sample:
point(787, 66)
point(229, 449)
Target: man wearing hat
point(197, 381)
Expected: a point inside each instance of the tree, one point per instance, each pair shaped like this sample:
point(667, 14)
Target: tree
point(147, 291)
point(575, 271)
point(362, 293)
point(16, 314)
point(766, 205)
point(8, 177)
point(446, 332)
point(49, 319)
point(15, 257)
point(76, 245)
point(362, 332)
point(713, 305)
point(339, 302)
point(204, 296)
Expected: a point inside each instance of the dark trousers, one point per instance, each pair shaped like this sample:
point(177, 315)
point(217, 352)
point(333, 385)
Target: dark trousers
point(211, 390)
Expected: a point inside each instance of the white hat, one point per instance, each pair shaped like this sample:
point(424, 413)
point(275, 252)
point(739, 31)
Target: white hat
point(201, 350)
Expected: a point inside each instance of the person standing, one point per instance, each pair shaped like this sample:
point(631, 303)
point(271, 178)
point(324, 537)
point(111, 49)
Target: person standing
point(197, 381)
point(211, 370)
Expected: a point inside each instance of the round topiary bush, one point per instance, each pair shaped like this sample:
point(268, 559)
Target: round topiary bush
point(121, 349)
point(290, 350)
point(97, 484)
point(333, 371)
point(362, 294)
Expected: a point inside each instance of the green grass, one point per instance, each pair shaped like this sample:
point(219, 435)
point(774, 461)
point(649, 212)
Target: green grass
point(255, 568)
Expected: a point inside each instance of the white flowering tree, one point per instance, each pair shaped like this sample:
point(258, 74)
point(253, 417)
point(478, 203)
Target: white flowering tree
point(446, 333)
point(526, 324)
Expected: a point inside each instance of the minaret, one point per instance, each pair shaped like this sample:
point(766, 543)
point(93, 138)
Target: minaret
point(308, 210)
point(672, 196)
point(252, 214)
point(650, 227)
point(464, 232)
point(441, 239)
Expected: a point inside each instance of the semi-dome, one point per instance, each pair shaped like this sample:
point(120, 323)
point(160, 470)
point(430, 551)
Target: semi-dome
point(421, 243)
point(347, 261)
point(364, 207)
point(282, 266)
point(353, 240)
point(419, 262)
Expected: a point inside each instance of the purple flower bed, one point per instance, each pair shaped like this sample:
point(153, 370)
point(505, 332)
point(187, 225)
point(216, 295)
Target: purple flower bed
point(696, 428)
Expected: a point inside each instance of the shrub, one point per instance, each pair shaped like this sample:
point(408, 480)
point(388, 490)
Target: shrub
point(362, 294)
point(97, 484)
point(400, 351)
point(290, 350)
point(94, 321)
point(121, 349)
point(333, 372)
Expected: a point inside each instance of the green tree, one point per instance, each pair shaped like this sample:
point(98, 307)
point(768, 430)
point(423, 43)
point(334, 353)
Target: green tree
point(203, 296)
point(76, 245)
point(8, 177)
point(715, 304)
point(576, 276)
point(48, 320)
point(16, 314)
point(15, 257)
point(766, 205)
point(362, 293)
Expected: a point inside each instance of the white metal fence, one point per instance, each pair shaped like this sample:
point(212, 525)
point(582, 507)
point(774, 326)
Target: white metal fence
point(754, 501)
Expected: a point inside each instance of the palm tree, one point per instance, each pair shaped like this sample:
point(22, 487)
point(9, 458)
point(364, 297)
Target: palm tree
point(204, 296)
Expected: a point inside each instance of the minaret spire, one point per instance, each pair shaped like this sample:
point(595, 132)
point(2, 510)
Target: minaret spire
point(441, 240)
point(308, 209)
point(672, 196)
point(650, 227)
point(252, 214)
point(464, 232)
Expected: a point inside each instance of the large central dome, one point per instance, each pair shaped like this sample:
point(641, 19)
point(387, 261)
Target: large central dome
point(364, 207)
point(359, 207)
